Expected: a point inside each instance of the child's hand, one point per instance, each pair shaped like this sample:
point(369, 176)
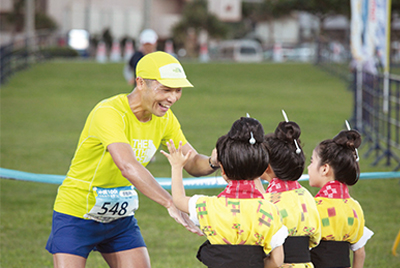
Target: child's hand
point(175, 156)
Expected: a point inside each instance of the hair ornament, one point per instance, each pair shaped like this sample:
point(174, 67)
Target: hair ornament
point(247, 115)
point(298, 150)
point(349, 128)
point(252, 140)
point(285, 116)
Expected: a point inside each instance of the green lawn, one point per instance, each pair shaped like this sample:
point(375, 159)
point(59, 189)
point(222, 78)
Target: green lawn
point(44, 108)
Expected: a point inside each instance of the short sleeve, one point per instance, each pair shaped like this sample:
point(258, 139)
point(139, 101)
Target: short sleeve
point(173, 131)
point(367, 234)
point(192, 209)
point(107, 125)
point(279, 237)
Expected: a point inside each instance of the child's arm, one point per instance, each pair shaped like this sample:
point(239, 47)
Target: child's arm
point(177, 161)
point(358, 258)
point(275, 258)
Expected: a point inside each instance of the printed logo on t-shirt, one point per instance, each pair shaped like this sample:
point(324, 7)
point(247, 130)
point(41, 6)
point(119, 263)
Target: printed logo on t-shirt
point(144, 150)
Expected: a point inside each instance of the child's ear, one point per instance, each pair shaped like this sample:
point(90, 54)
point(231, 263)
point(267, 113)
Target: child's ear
point(326, 170)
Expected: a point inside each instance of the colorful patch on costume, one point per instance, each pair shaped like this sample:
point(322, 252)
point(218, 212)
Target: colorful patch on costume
point(292, 231)
point(304, 207)
point(300, 191)
point(260, 238)
point(236, 226)
point(350, 221)
point(284, 213)
point(309, 231)
point(331, 212)
point(275, 198)
point(201, 209)
point(235, 207)
point(325, 222)
point(262, 219)
point(330, 238)
point(355, 214)
point(208, 231)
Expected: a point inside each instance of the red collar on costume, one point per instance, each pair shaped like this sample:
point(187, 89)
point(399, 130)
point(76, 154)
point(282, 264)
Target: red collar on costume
point(242, 189)
point(277, 186)
point(334, 189)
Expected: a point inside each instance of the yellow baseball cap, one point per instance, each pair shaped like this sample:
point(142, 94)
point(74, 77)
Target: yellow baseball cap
point(164, 68)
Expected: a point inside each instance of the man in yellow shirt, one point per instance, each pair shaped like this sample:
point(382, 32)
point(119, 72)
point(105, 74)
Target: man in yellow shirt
point(95, 205)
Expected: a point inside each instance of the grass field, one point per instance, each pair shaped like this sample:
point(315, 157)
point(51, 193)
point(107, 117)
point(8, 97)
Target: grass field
point(44, 108)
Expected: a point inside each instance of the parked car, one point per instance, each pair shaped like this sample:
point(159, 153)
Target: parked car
point(243, 50)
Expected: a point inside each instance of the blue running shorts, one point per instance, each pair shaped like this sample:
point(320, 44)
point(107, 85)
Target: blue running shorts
point(73, 235)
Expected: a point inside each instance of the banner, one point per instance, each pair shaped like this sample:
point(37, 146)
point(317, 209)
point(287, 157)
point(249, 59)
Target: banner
point(363, 28)
point(356, 29)
point(383, 32)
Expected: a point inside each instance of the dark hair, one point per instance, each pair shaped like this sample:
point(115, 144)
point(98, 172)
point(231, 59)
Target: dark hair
point(340, 154)
point(240, 159)
point(148, 81)
point(284, 161)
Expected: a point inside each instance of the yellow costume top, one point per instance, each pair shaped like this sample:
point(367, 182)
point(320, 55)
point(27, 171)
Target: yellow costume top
point(92, 167)
point(342, 220)
point(227, 220)
point(341, 216)
point(298, 211)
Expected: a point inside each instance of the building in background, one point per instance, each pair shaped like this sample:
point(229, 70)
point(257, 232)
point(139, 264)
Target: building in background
point(123, 18)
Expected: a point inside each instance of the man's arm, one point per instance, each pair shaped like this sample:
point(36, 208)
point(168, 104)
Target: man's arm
point(144, 181)
point(138, 175)
point(198, 164)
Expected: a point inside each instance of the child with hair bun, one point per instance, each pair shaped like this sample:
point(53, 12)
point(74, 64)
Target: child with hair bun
point(334, 166)
point(243, 229)
point(295, 203)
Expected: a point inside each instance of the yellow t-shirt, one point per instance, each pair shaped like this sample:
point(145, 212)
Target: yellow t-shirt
point(111, 121)
point(240, 222)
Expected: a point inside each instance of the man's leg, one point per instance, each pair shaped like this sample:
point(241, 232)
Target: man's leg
point(135, 258)
point(62, 260)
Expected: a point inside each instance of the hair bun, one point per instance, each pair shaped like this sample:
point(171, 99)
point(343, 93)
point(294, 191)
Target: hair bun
point(287, 131)
point(348, 138)
point(245, 129)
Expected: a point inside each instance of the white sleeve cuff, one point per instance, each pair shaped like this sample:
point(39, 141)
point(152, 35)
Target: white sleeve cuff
point(279, 237)
point(363, 240)
point(192, 209)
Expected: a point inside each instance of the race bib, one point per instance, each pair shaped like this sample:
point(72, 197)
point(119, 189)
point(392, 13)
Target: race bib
point(113, 203)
